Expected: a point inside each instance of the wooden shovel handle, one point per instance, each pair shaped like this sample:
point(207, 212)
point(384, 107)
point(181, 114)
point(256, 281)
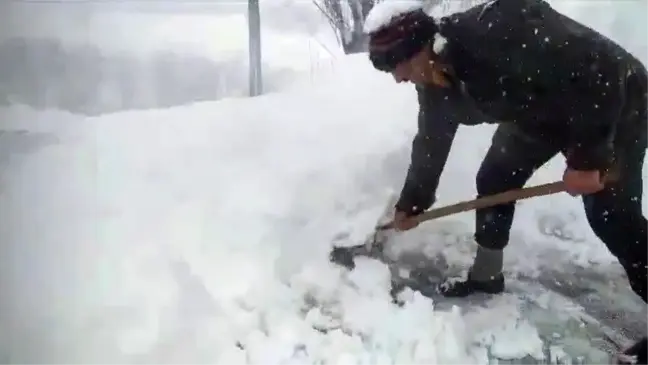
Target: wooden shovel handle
point(488, 201)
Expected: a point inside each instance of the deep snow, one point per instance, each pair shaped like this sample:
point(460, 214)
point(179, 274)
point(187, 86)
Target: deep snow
point(200, 234)
point(188, 233)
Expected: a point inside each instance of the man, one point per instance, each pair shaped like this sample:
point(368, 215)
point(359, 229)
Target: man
point(555, 86)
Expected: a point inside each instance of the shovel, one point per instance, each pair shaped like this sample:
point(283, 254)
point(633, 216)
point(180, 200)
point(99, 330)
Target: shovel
point(374, 245)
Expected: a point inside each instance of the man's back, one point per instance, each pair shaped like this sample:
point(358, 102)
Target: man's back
point(520, 58)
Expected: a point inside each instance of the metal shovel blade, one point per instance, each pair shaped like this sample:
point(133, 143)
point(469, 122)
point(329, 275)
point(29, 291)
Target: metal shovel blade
point(373, 247)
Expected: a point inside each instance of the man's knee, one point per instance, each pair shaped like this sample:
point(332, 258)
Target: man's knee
point(607, 211)
point(489, 181)
point(492, 224)
point(508, 164)
point(511, 159)
point(495, 173)
point(618, 221)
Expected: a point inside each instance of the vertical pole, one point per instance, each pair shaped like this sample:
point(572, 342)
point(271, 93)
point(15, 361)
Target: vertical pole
point(254, 38)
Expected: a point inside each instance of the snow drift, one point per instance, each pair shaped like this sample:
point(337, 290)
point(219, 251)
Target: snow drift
point(201, 233)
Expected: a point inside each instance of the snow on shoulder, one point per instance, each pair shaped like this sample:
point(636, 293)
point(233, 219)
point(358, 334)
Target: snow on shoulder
point(383, 13)
point(439, 43)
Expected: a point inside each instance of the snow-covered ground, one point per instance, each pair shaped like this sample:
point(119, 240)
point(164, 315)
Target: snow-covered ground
point(201, 233)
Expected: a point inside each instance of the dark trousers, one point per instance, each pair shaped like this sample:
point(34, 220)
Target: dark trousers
point(614, 214)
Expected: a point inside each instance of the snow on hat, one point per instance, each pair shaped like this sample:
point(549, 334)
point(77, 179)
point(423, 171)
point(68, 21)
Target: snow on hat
point(400, 36)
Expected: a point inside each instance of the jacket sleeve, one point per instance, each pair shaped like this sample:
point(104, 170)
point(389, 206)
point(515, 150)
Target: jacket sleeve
point(600, 96)
point(430, 149)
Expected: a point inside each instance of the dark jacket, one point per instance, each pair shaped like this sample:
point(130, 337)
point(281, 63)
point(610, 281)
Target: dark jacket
point(522, 62)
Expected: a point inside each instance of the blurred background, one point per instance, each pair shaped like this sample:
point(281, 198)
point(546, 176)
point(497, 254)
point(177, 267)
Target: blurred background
point(94, 57)
point(97, 57)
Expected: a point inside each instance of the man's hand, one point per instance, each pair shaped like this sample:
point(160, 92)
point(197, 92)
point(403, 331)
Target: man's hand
point(404, 222)
point(582, 182)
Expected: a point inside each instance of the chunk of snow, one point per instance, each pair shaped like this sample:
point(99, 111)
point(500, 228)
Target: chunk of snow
point(382, 13)
point(439, 43)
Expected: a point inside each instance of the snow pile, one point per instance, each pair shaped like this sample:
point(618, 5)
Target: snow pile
point(201, 233)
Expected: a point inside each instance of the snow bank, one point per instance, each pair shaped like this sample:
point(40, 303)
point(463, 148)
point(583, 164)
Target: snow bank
point(201, 233)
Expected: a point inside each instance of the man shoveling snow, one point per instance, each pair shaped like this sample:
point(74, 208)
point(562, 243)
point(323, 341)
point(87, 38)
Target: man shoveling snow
point(554, 86)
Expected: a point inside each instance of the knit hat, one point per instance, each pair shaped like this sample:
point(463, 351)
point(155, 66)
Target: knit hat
point(401, 39)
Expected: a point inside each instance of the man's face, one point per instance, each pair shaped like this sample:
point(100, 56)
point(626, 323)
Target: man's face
point(417, 69)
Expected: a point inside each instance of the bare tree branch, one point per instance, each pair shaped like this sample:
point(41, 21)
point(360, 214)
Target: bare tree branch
point(347, 17)
point(330, 20)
